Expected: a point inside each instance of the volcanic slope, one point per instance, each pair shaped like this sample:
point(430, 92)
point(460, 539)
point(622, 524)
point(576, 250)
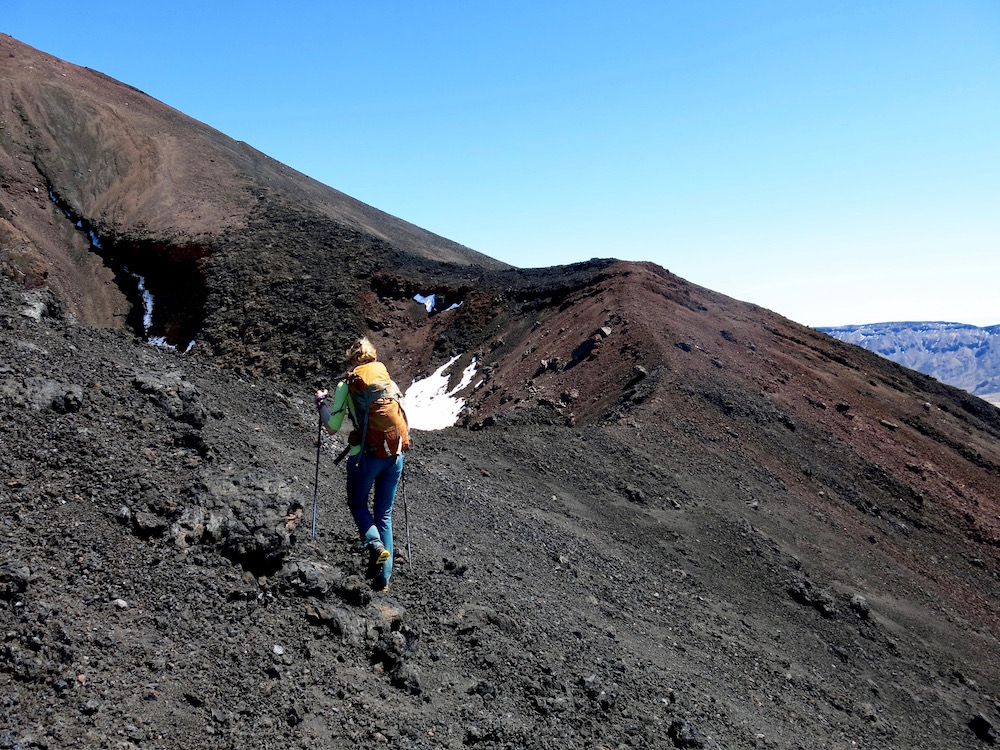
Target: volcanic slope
point(101, 184)
point(703, 563)
point(669, 519)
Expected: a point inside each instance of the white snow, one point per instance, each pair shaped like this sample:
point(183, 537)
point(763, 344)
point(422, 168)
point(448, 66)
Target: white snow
point(428, 402)
point(147, 304)
point(147, 316)
point(161, 342)
point(426, 301)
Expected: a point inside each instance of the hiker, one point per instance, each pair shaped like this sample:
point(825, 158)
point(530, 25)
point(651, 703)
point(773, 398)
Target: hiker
point(377, 443)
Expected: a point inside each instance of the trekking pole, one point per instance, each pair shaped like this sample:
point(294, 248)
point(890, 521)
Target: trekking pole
point(406, 520)
point(319, 443)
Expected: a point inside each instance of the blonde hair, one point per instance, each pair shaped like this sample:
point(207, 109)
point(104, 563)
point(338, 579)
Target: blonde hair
point(361, 352)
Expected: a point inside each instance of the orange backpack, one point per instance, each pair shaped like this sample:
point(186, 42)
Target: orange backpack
point(377, 406)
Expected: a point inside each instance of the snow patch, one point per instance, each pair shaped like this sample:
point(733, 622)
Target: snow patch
point(428, 402)
point(147, 304)
point(147, 315)
point(428, 301)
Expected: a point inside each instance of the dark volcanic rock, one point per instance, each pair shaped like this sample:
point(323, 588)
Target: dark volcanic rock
point(569, 587)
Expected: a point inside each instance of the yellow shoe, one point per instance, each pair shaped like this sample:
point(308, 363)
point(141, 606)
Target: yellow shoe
point(378, 556)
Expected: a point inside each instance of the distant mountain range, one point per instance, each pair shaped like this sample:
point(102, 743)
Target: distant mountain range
point(964, 356)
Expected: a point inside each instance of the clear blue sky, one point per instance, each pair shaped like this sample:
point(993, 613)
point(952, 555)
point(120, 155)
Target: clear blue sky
point(837, 162)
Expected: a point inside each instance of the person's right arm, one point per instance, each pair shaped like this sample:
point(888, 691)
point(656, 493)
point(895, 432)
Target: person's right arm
point(332, 414)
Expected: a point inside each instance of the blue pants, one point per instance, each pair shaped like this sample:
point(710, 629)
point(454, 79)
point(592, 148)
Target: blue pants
point(363, 473)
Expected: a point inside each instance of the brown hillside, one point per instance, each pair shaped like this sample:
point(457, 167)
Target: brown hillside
point(147, 180)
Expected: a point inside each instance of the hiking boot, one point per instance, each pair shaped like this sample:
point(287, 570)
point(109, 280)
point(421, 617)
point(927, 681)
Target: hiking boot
point(378, 555)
